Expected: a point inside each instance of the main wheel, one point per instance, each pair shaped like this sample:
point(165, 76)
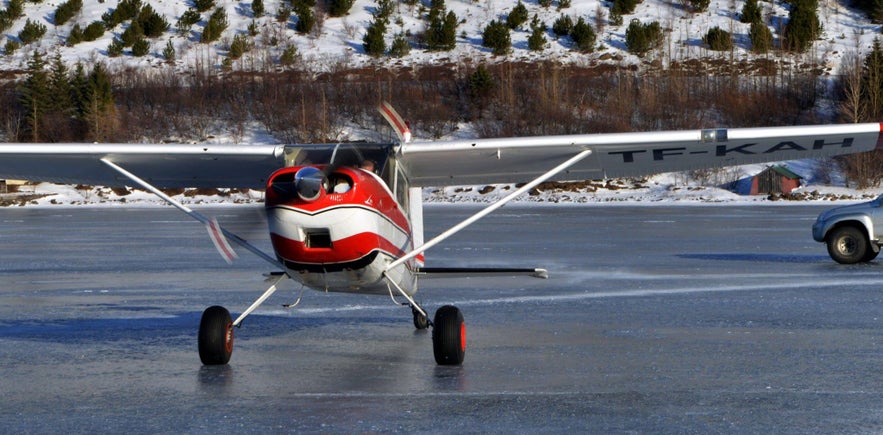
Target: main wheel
point(215, 336)
point(848, 245)
point(449, 336)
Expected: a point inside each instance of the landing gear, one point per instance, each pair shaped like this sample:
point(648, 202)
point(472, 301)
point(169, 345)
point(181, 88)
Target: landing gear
point(215, 336)
point(421, 322)
point(449, 336)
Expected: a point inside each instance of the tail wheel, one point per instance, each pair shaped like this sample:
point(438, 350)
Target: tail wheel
point(449, 336)
point(215, 336)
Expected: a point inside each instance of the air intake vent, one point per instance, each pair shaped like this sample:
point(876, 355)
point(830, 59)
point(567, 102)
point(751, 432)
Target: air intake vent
point(318, 238)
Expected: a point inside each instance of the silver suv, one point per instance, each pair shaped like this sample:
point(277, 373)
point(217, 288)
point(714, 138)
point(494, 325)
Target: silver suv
point(851, 232)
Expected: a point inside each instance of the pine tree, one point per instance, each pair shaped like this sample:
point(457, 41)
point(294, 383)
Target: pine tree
point(751, 12)
point(400, 46)
point(215, 26)
point(518, 16)
point(642, 38)
point(718, 39)
point(31, 32)
point(59, 86)
point(169, 52)
point(257, 8)
point(441, 33)
point(66, 11)
point(537, 39)
point(761, 37)
point(339, 8)
point(34, 95)
point(496, 37)
point(803, 25)
point(99, 104)
point(373, 41)
point(583, 36)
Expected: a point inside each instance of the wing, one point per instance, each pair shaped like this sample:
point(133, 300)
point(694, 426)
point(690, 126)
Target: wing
point(163, 165)
point(626, 154)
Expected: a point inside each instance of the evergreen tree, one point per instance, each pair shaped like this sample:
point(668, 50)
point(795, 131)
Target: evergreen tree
point(400, 46)
point(152, 23)
point(31, 32)
point(257, 8)
point(59, 86)
point(132, 34)
point(537, 39)
point(339, 8)
point(751, 12)
point(34, 95)
point(239, 46)
point(203, 5)
point(93, 31)
point(441, 33)
point(215, 26)
point(583, 36)
point(518, 16)
point(642, 38)
point(761, 37)
point(306, 20)
point(718, 39)
point(803, 25)
point(141, 47)
point(169, 52)
point(98, 111)
point(373, 41)
point(496, 37)
point(563, 25)
point(624, 7)
point(125, 10)
point(480, 84)
point(66, 11)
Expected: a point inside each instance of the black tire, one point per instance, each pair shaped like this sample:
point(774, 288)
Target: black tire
point(449, 336)
point(870, 255)
point(215, 336)
point(421, 322)
point(848, 245)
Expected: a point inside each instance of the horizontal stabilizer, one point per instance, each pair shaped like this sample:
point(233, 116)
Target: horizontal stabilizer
point(461, 272)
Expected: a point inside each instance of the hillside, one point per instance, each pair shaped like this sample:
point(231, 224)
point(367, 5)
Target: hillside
point(336, 43)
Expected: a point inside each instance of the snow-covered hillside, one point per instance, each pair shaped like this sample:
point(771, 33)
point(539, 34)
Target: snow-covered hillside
point(337, 42)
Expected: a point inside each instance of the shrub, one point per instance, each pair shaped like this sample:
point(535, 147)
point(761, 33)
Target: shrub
point(373, 41)
point(803, 25)
point(623, 7)
point(239, 46)
point(125, 10)
point(66, 11)
point(215, 26)
point(93, 31)
point(641, 38)
point(537, 39)
point(339, 8)
point(305, 20)
point(152, 23)
point(203, 5)
point(699, 5)
point(257, 8)
point(583, 36)
point(518, 16)
point(31, 32)
point(400, 46)
point(761, 37)
point(140, 48)
point(751, 12)
point(496, 37)
point(563, 25)
point(718, 39)
point(169, 52)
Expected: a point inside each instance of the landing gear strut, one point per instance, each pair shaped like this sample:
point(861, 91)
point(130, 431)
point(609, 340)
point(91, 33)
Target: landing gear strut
point(215, 336)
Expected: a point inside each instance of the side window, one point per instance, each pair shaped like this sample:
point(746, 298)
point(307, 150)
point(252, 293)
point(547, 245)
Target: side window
point(401, 189)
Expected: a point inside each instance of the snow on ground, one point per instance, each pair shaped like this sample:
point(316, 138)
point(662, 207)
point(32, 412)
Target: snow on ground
point(337, 42)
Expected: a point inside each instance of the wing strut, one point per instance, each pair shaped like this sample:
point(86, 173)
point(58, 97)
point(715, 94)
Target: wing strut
point(489, 209)
point(217, 232)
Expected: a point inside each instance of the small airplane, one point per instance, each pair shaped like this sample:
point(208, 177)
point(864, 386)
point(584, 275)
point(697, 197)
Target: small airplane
point(349, 217)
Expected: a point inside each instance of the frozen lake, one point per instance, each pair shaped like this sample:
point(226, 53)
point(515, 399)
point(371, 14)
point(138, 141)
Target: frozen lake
point(688, 319)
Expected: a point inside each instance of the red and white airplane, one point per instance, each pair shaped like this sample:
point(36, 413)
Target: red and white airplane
point(349, 217)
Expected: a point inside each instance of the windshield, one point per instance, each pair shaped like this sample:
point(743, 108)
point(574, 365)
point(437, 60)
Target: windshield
point(345, 154)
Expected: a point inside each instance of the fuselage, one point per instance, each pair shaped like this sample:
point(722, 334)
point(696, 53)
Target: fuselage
point(337, 229)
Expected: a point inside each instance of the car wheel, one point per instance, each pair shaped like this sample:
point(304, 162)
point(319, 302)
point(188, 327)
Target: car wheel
point(848, 245)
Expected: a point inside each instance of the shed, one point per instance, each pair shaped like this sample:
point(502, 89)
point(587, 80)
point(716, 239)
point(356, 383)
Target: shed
point(775, 179)
point(4, 184)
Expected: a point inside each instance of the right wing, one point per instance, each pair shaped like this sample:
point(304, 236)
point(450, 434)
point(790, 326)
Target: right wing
point(512, 160)
point(163, 165)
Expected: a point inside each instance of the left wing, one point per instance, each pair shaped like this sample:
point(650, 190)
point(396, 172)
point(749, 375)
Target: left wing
point(513, 160)
point(163, 165)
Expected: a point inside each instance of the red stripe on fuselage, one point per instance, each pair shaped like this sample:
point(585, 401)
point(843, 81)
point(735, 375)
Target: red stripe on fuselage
point(342, 251)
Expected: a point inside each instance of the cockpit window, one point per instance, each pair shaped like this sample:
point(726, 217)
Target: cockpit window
point(356, 155)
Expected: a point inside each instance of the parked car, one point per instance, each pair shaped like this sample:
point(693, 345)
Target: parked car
point(851, 232)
